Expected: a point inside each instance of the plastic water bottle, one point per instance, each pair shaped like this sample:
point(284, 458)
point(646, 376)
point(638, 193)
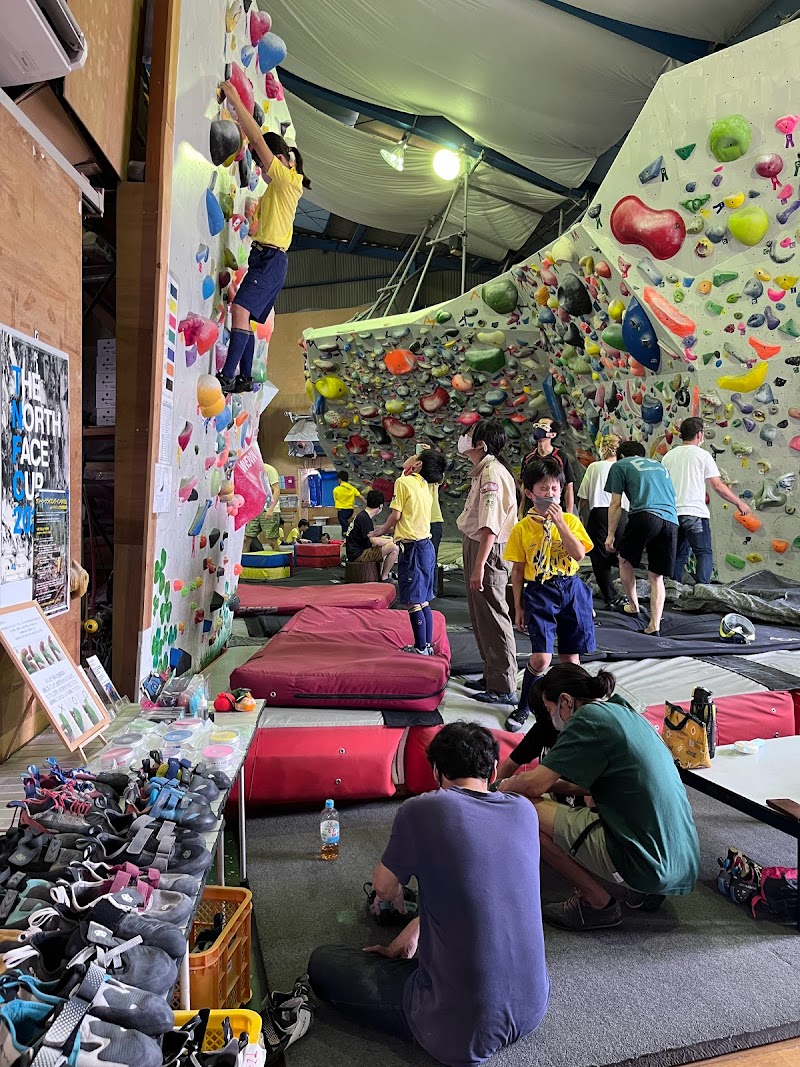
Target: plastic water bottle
point(329, 831)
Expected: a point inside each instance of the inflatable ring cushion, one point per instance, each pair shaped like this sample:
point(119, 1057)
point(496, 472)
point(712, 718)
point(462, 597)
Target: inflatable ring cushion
point(266, 566)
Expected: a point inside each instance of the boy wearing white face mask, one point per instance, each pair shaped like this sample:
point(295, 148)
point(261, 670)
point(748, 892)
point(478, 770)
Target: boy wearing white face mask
point(551, 602)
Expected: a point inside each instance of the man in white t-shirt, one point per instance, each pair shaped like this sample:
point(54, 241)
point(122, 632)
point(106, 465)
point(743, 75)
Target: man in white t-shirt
point(690, 469)
point(593, 504)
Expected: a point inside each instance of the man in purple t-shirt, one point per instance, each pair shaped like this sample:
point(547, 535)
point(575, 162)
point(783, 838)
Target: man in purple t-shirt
point(468, 976)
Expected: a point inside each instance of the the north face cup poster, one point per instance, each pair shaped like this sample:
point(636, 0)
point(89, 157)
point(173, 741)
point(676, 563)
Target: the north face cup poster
point(34, 438)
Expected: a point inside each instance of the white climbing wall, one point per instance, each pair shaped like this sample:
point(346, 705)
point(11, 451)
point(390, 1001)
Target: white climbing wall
point(197, 547)
point(676, 295)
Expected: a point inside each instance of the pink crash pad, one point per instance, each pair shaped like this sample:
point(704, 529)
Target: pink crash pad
point(745, 717)
point(418, 776)
point(260, 599)
point(346, 658)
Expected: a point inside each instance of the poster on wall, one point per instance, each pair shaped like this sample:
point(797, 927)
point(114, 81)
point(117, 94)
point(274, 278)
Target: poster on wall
point(51, 551)
point(50, 672)
point(34, 439)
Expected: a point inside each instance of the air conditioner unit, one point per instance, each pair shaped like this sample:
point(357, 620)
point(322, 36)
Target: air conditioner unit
point(39, 41)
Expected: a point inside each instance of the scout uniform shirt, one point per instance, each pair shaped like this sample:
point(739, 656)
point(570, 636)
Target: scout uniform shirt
point(491, 502)
point(537, 543)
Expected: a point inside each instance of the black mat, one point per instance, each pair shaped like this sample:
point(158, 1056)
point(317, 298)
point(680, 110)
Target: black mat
point(761, 673)
point(696, 979)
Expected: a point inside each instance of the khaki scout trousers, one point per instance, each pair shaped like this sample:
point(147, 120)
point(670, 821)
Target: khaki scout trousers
point(491, 621)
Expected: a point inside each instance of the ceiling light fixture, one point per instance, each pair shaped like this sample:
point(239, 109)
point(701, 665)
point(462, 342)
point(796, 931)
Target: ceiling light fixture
point(447, 164)
point(395, 157)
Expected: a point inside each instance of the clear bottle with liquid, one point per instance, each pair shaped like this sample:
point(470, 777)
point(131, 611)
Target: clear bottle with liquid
point(329, 831)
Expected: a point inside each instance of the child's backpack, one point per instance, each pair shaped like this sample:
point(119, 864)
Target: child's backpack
point(739, 877)
point(777, 897)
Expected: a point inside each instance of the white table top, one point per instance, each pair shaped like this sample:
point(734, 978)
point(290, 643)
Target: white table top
point(771, 773)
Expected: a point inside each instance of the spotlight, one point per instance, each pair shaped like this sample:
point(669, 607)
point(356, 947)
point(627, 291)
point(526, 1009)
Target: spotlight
point(395, 157)
point(447, 164)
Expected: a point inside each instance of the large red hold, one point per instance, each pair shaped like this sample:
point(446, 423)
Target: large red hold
point(400, 361)
point(395, 428)
point(435, 401)
point(662, 233)
point(241, 84)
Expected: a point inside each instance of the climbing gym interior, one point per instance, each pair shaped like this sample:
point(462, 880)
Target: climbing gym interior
point(400, 546)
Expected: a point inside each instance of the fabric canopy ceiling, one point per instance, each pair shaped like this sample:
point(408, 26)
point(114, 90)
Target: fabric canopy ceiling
point(349, 178)
point(538, 84)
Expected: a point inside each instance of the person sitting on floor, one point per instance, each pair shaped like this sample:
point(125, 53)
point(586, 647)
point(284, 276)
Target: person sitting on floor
point(363, 545)
point(468, 976)
point(640, 834)
point(410, 518)
point(297, 534)
point(344, 498)
point(550, 600)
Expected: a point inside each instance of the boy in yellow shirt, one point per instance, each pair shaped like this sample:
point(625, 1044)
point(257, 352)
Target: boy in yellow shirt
point(344, 498)
point(410, 518)
point(550, 599)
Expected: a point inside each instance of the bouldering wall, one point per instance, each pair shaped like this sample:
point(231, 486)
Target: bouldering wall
point(210, 475)
point(674, 296)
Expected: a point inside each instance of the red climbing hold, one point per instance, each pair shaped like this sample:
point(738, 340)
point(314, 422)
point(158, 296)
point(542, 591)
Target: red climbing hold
point(400, 361)
point(662, 233)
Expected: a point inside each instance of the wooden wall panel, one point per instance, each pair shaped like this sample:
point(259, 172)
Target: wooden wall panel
point(101, 92)
point(40, 289)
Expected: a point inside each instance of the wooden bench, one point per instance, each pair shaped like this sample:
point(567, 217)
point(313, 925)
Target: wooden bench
point(358, 573)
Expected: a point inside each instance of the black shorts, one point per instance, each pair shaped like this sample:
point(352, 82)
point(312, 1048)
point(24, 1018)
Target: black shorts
point(648, 531)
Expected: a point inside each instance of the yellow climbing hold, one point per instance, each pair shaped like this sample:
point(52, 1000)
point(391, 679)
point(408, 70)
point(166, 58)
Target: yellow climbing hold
point(747, 382)
point(786, 281)
point(734, 200)
point(754, 557)
point(762, 275)
point(310, 391)
point(331, 387)
point(591, 348)
point(493, 337)
point(616, 309)
point(552, 302)
point(395, 406)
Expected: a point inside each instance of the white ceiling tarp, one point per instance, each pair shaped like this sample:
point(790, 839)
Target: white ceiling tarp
point(350, 178)
point(536, 84)
point(706, 20)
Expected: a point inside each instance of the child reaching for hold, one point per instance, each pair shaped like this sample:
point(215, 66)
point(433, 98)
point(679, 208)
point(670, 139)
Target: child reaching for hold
point(546, 548)
point(410, 518)
point(271, 231)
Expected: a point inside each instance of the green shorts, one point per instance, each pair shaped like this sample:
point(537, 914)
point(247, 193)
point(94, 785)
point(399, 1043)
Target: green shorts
point(267, 525)
point(593, 853)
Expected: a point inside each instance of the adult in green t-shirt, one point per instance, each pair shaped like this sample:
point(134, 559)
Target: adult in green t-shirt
point(641, 837)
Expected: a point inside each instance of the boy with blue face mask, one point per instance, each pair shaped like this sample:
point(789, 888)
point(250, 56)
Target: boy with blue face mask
point(550, 601)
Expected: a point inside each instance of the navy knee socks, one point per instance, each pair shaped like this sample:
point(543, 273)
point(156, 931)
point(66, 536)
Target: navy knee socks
point(240, 350)
point(528, 680)
point(418, 626)
point(427, 614)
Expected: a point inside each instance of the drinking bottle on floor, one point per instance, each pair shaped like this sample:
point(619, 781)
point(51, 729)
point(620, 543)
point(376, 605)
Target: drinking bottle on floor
point(329, 831)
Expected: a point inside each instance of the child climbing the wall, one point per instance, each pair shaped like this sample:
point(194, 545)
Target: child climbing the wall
point(410, 518)
point(344, 498)
point(550, 600)
point(271, 230)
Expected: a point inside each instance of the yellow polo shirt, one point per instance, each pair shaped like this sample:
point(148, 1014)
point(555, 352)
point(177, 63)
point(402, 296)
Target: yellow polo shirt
point(436, 508)
point(537, 543)
point(414, 500)
point(292, 537)
point(344, 496)
point(274, 216)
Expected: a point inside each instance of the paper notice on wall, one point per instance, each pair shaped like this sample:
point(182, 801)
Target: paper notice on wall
point(162, 488)
point(166, 446)
point(51, 552)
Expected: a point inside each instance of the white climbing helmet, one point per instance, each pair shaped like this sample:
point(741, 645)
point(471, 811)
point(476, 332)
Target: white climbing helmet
point(737, 629)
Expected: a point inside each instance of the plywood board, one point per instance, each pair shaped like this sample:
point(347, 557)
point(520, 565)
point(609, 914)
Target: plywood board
point(40, 291)
point(101, 92)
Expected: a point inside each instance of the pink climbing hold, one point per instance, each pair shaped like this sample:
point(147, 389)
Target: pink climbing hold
point(795, 444)
point(468, 418)
point(675, 321)
point(260, 23)
point(602, 270)
point(787, 124)
point(243, 87)
point(395, 428)
point(272, 87)
point(662, 233)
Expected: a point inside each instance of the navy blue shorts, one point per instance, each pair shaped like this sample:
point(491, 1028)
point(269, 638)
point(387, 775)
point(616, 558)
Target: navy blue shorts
point(266, 273)
point(416, 572)
point(559, 608)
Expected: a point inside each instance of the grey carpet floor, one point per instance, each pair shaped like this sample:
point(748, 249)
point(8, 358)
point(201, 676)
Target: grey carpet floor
point(696, 974)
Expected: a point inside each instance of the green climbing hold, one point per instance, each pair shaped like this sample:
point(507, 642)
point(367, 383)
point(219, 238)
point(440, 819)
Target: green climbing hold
point(720, 277)
point(443, 316)
point(679, 296)
point(789, 328)
point(749, 224)
point(729, 138)
point(796, 544)
point(512, 430)
point(708, 356)
point(713, 308)
point(486, 360)
point(501, 295)
point(559, 389)
point(696, 202)
point(685, 151)
point(612, 336)
point(736, 562)
point(733, 298)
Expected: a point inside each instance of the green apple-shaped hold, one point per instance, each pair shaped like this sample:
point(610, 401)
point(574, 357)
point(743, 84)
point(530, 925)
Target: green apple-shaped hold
point(729, 138)
point(501, 295)
point(749, 224)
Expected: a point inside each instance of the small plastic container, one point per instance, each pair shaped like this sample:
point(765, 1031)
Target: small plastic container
point(223, 758)
point(116, 757)
point(242, 1022)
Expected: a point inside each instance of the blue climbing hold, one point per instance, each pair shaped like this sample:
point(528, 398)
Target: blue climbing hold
point(639, 336)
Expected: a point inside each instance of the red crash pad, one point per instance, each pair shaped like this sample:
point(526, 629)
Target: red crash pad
point(281, 600)
point(743, 718)
point(310, 764)
point(418, 775)
point(345, 658)
point(318, 556)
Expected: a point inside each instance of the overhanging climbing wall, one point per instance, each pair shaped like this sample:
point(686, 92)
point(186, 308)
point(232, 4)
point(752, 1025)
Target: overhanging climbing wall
point(211, 469)
point(674, 296)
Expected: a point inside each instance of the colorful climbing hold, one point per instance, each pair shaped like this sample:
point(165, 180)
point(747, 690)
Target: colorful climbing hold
point(500, 295)
point(749, 224)
point(662, 233)
point(400, 361)
point(762, 349)
point(729, 138)
point(746, 382)
point(675, 321)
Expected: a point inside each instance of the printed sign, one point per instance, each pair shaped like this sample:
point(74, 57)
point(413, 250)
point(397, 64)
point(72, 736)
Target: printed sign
point(34, 440)
point(106, 690)
point(46, 666)
point(51, 552)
